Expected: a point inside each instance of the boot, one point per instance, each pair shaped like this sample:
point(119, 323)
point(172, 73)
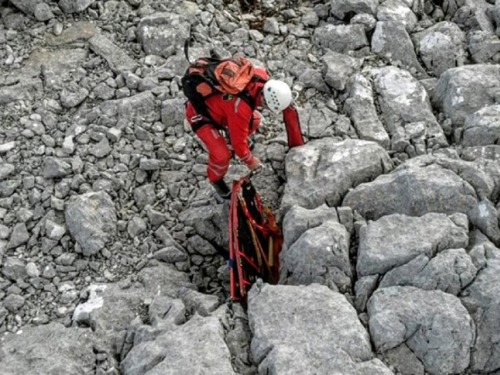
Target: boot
point(222, 189)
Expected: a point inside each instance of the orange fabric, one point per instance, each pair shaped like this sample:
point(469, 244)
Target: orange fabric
point(234, 74)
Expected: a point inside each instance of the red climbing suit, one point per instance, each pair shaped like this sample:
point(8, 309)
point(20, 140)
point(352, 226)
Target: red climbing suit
point(235, 114)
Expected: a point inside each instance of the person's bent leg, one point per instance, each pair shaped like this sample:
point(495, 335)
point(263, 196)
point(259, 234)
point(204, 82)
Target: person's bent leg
point(219, 157)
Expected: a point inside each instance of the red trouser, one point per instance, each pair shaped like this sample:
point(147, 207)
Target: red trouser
point(219, 154)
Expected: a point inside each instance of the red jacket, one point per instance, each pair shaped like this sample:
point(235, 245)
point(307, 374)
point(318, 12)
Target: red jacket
point(236, 114)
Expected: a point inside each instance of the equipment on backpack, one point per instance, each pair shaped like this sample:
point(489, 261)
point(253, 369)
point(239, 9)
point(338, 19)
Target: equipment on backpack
point(277, 95)
point(254, 240)
point(210, 75)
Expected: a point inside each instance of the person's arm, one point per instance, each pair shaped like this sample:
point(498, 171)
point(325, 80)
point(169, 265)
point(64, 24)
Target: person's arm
point(292, 125)
point(239, 124)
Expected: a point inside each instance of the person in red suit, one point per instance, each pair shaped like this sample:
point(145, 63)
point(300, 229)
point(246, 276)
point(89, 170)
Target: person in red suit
point(240, 118)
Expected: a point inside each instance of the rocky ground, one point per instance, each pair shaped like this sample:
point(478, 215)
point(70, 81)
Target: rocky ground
point(110, 236)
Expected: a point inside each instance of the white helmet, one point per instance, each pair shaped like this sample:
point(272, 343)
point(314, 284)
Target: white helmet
point(277, 94)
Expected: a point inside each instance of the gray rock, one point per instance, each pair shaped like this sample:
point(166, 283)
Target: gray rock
point(13, 268)
point(74, 6)
point(201, 246)
point(137, 108)
point(484, 216)
point(433, 324)
point(91, 220)
point(32, 270)
point(403, 359)
point(27, 89)
point(391, 41)
point(136, 226)
point(13, 303)
point(117, 59)
point(149, 164)
point(64, 351)
point(367, 20)
point(110, 308)
point(342, 38)
point(6, 147)
point(323, 170)
point(194, 301)
point(364, 288)
point(49, 272)
point(73, 95)
point(337, 68)
point(271, 26)
point(176, 350)
point(397, 11)
point(77, 31)
point(298, 220)
point(155, 217)
point(4, 232)
point(167, 310)
point(165, 237)
point(311, 78)
point(462, 91)
point(144, 195)
point(320, 255)
point(316, 122)
point(394, 240)
point(58, 68)
point(318, 315)
point(404, 104)
point(7, 188)
point(43, 12)
point(18, 236)
point(171, 254)
point(340, 8)
point(491, 152)
point(427, 185)
point(6, 170)
point(55, 168)
point(26, 6)
point(163, 33)
point(360, 106)
point(483, 46)
point(100, 149)
point(441, 47)
point(54, 230)
point(210, 223)
point(482, 301)
point(482, 127)
point(449, 271)
point(103, 91)
point(475, 15)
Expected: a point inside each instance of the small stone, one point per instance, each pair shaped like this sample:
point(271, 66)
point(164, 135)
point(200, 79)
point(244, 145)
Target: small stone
point(6, 170)
point(101, 149)
point(58, 28)
point(54, 168)
point(68, 145)
point(19, 236)
point(136, 226)
point(54, 231)
point(6, 147)
point(114, 134)
point(170, 255)
point(49, 272)
point(32, 270)
point(43, 12)
point(149, 164)
point(4, 232)
point(13, 303)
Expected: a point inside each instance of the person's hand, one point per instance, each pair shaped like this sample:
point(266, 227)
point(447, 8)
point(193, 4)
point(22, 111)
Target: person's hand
point(255, 164)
